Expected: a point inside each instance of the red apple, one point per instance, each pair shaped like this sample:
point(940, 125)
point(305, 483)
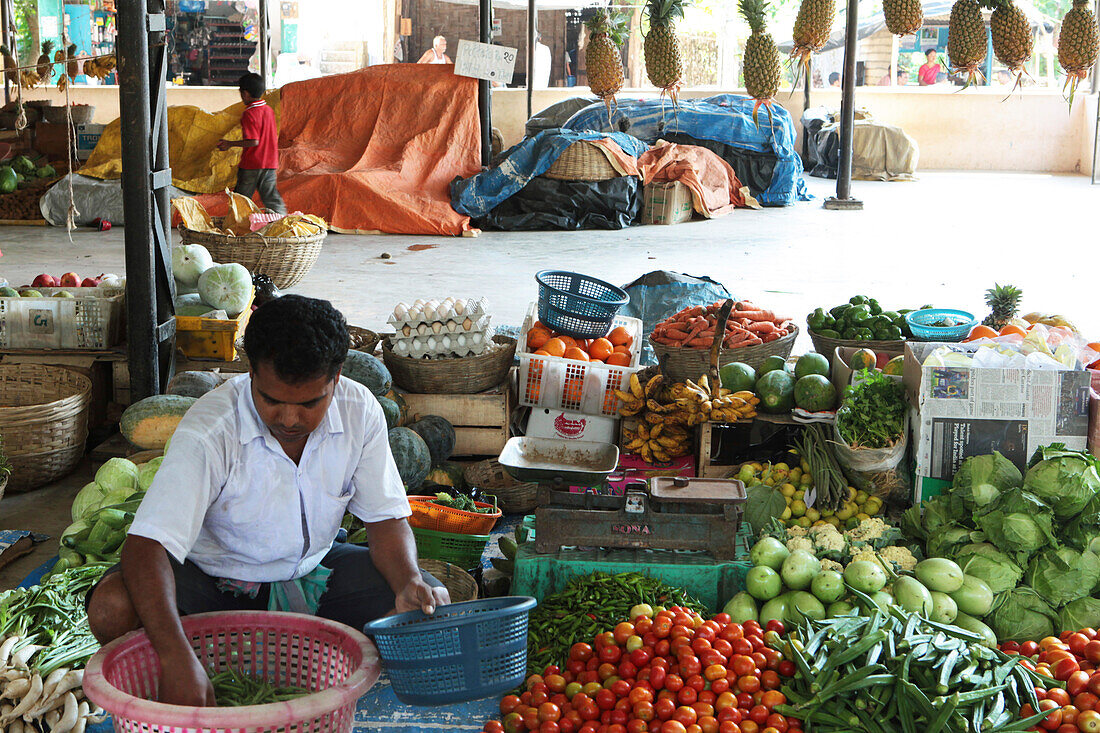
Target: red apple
point(89, 282)
point(44, 281)
point(70, 280)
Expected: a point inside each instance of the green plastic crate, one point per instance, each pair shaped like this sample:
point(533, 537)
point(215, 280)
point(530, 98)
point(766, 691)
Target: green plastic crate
point(463, 550)
point(711, 582)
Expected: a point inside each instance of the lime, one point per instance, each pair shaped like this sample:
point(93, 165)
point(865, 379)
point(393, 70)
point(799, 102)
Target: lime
point(776, 391)
point(815, 393)
point(771, 364)
point(811, 363)
point(737, 376)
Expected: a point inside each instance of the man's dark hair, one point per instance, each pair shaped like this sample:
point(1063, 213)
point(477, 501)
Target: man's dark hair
point(253, 84)
point(835, 76)
point(301, 338)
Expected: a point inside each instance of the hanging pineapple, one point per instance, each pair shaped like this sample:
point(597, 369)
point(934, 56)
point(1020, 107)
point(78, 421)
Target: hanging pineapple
point(1011, 32)
point(663, 63)
point(72, 66)
point(966, 41)
point(45, 65)
point(1004, 304)
point(11, 66)
point(603, 58)
point(761, 60)
point(903, 17)
point(1077, 44)
point(811, 31)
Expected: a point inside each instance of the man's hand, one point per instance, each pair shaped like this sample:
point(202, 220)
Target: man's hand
point(223, 145)
point(419, 596)
point(184, 682)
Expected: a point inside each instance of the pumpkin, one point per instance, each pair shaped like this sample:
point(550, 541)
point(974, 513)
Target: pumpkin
point(193, 384)
point(403, 406)
point(368, 371)
point(411, 455)
point(448, 474)
point(392, 412)
point(150, 422)
point(438, 434)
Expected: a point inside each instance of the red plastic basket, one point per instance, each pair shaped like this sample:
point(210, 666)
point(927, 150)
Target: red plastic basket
point(335, 661)
point(427, 515)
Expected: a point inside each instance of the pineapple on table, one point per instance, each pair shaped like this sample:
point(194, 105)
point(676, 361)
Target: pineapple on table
point(1004, 304)
point(903, 17)
point(1077, 44)
point(1011, 31)
point(604, 59)
point(663, 63)
point(812, 26)
point(761, 59)
point(966, 41)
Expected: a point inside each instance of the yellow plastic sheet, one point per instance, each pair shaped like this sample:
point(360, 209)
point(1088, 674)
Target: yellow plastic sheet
point(193, 135)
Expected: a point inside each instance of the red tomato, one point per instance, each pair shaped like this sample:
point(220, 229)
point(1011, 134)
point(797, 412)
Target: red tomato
point(748, 683)
point(508, 704)
point(605, 699)
point(731, 713)
point(708, 697)
point(685, 716)
point(729, 727)
point(1029, 648)
point(1054, 714)
point(741, 665)
point(1090, 633)
point(674, 682)
point(619, 717)
point(637, 725)
point(664, 709)
point(690, 666)
point(687, 695)
point(769, 680)
point(555, 683)
point(760, 660)
point(720, 686)
point(640, 694)
point(745, 700)
point(539, 697)
point(610, 653)
point(589, 710)
point(493, 726)
point(640, 657)
point(549, 711)
point(742, 646)
point(620, 688)
point(732, 633)
point(662, 648)
point(708, 724)
point(696, 682)
point(643, 710)
point(622, 632)
point(662, 626)
point(513, 723)
point(1077, 643)
point(1092, 651)
point(1085, 701)
point(627, 670)
point(1088, 721)
point(673, 726)
point(1077, 683)
point(568, 725)
point(1059, 696)
point(1067, 728)
point(657, 677)
point(723, 647)
point(1069, 714)
point(777, 721)
point(703, 709)
point(604, 639)
point(725, 700)
point(549, 726)
point(1064, 668)
point(607, 670)
point(643, 625)
point(771, 698)
point(786, 668)
point(1094, 684)
point(759, 714)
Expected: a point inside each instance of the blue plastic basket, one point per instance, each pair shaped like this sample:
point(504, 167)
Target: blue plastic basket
point(465, 651)
point(578, 305)
point(920, 323)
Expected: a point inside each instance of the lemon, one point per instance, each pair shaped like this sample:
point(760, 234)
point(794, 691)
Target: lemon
point(798, 508)
point(803, 522)
point(874, 505)
point(861, 497)
point(786, 514)
point(787, 489)
point(805, 466)
point(756, 467)
point(745, 474)
point(813, 514)
point(800, 495)
point(769, 481)
point(780, 474)
point(862, 516)
point(795, 474)
point(835, 521)
point(846, 512)
point(820, 523)
point(851, 494)
point(826, 513)
point(783, 467)
point(807, 479)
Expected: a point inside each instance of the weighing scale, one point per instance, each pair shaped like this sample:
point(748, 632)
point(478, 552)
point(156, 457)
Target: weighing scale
point(667, 513)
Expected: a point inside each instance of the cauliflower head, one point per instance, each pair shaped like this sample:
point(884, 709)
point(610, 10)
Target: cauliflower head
point(865, 553)
point(868, 530)
point(826, 538)
point(900, 556)
point(827, 564)
point(800, 543)
point(797, 531)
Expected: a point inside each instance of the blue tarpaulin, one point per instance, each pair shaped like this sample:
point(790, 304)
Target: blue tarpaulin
point(657, 295)
point(477, 195)
point(724, 118)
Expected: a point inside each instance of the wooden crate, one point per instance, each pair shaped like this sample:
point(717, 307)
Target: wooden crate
point(481, 421)
point(707, 468)
point(121, 372)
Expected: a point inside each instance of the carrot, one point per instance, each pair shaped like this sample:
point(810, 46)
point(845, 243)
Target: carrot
point(676, 333)
point(700, 342)
point(762, 327)
point(758, 315)
point(768, 337)
point(661, 339)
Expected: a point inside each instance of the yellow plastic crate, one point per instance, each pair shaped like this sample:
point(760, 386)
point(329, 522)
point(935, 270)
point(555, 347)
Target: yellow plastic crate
point(211, 338)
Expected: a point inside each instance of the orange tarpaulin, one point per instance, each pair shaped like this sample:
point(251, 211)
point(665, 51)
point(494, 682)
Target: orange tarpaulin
point(715, 188)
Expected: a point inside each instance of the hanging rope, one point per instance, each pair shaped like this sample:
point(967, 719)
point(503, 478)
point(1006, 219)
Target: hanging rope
point(70, 137)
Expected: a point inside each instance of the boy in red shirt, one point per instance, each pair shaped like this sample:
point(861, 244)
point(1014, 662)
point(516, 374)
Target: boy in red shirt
point(260, 141)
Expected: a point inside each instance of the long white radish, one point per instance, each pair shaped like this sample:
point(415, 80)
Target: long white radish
point(98, 716)
point(17, 726)
point(52, 717)
point(16, 689)
point(68, 716)
point(21, 657)
point(12, 674)
point(5, 650)
point(55, 687)
point(81, 718)
point(50, 683)
point(27, 703)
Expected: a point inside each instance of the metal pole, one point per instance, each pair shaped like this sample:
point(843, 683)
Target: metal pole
point(484, 89)
point(843, 198)
point(532, 32)
point(133, 92)
point(265, 42)
point(5, 38)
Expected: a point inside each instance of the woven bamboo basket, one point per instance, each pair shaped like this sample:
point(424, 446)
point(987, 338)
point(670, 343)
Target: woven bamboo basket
point(460, 584)
point(468, 375)
point(514, 497)
point(363, 339)
point(44, 421)
point(582, 161)
point(827, 346)
point(286, 260)
point(687, 363)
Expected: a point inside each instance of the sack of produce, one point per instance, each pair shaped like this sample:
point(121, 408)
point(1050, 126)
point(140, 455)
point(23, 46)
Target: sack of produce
point(877, 471)
point(870, 432)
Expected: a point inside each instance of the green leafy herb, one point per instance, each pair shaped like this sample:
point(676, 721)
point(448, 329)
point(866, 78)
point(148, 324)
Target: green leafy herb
point(462, 503)
point(873, 413)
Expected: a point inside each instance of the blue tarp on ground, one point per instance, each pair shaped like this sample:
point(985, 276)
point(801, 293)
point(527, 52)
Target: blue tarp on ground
point(723, 118)
point(477, 195)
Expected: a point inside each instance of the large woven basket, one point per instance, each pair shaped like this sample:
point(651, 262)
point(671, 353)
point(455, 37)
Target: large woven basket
point(686, 363)
point(44, 421)
point(827, 346)
point(286, 260)
point(468, 375)
point(582, 161)
point(513, 497)
point(460, 584)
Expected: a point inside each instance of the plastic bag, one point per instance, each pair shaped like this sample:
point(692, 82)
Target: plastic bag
point(876, 471)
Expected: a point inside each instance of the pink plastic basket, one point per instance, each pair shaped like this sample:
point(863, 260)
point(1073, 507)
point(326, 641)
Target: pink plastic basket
point(334, 660)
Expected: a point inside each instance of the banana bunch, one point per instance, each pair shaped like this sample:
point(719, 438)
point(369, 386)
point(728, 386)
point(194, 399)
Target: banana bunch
point(100, 67)
point(705, 402)
point(658, 443)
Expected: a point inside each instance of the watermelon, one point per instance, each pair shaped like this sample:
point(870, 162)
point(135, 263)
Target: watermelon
point(193, 384)
point(438, 434)
point(369, 372)
point(150, 422)
point(227, 287)
point(448, 474)
point(9, 181)
point(392, 411)
point(411, 455)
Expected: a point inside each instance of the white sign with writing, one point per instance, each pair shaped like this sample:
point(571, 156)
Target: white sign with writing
point(485, 61)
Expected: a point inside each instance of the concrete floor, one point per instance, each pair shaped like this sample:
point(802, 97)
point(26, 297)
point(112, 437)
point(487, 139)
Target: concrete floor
point(941, 240)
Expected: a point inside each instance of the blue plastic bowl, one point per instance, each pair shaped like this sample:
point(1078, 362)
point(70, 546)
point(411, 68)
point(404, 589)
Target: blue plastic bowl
point(578, 305)
point(921, 324)
point(465, 651)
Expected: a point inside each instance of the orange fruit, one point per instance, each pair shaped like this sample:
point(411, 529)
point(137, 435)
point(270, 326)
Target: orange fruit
point(619, 336)
point(536, 337)
point(618, 358)
point(569, 341)
point(622, 349)
point(1011, 330)
point(576, 354)
point(555, 347)
point(542, 352)
point(980, 332)
point(1095, 346)
point(600, 349)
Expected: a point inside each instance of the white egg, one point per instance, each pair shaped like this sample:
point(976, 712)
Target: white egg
point(461, 340)
point(418, 303)
point(413, 313)
point(476, 339)
point(423, 329)
point(431, 343)
point(460, 307)
point(445, 342)
point(406, 330)
point(437, 327)
point(401, 347)
point(400, 311)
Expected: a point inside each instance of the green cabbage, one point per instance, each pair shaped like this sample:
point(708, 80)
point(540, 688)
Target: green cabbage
point(984, 561)
point(1021, 614)
point(1084, 613)
point(1019, 524)
point(117, 474)
point(981, 479)
point(1083, 531)
point(948, 541)
point(1066, 480)
point(87, 500)
point(1063, 575)
point(146, 472)
point(938, 515)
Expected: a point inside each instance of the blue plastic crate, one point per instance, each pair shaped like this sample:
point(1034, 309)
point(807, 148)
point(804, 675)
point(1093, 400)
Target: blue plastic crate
point(578, 305)
point(920, 323)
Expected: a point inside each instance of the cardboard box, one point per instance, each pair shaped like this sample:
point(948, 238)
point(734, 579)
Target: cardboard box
point(963, 412)
point(1094, 422)
point(666, 203)
point(87, 137)
point(843, 375)
point(548, 423)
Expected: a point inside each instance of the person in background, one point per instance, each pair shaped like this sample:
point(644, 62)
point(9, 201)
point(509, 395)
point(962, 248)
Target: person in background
point(260, 142)
point(903, 77)
point(437, 54)
point(540, 73)
point(929, 73)
point(834, 79)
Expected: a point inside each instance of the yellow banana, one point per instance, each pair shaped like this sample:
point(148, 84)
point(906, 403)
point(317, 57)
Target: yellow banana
point(653, 385)
point(656, 430)
point(636, 386)
point(643, 431)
